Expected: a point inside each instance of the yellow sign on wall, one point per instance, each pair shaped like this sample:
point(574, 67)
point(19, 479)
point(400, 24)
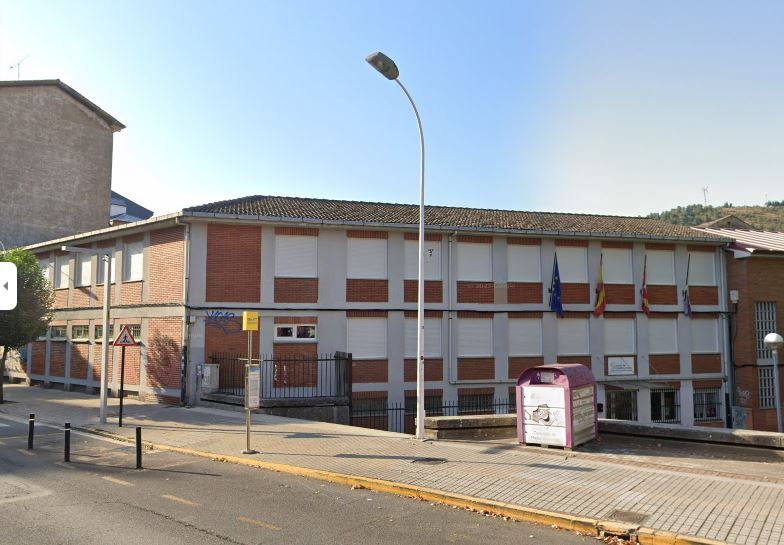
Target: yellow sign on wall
point(250, 320)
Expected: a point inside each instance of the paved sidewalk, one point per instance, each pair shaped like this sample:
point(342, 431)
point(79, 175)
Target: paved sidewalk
point(675, 496)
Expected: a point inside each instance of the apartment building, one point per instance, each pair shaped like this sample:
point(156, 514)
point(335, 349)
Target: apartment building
point(341, 276)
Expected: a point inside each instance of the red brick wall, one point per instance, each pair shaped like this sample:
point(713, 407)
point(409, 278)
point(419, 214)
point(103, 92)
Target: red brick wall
point(575, 293)
point(434, 291)
point(585, 360)
point(163, 352)
point(475, 292)
point(131, 293)
point(367, 234)
point(60, 298)
point(364, 291)
point(477, 239)
point(664, 364)
point(524, 292)
point(518, 364)
point(297, 231)
point(617, 244)
point(296, 373)
point(233, 263)
point(660, 246)
point(38, 358)
point(132, 363)
point(704, 295)
point(227, 337)
point(57, 359)
point(574, 243)
point(82, 297)
point(165, 270)
point(434, 369)
point(524, 241)
point(296, 290)
point(475, 368)
point(364, 371)
point(79, 360)
point(620, 294)
point(434, 237)
point(706, 363)
point(662, 295)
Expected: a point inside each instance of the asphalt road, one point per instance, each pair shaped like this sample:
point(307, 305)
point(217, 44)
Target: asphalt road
point(100, 498)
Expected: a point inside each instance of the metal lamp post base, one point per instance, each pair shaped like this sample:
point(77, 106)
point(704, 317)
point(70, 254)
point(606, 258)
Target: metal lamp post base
point(250, 451)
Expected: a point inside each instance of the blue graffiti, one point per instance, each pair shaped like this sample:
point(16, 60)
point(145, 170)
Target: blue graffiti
point(224, 321)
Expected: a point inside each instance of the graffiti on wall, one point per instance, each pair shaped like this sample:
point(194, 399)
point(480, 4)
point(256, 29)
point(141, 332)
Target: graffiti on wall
point(224, 321)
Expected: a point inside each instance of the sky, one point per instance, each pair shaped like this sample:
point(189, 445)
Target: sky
point(608, 107)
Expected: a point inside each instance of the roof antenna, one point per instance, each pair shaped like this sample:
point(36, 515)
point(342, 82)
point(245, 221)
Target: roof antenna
point(705, 194)
point(18, 66)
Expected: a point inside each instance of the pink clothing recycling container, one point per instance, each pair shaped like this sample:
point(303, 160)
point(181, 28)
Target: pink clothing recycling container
point(556, 405)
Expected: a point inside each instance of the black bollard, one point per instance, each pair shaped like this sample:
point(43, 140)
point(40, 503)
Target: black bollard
point(67, 453)
point(138, 448)
point(30, 431)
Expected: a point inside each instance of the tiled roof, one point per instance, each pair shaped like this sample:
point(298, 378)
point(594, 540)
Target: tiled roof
point(751, 241)
point(334, 211)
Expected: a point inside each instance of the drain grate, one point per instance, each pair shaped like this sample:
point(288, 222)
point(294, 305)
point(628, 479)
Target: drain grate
point(429, 461)
point(628, 516)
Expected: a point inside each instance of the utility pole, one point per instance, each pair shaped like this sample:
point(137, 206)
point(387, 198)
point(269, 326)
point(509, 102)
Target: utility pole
point(705, 194)
point(18, 67)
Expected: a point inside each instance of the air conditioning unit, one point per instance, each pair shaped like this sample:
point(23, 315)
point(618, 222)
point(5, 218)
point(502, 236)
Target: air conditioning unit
point(210, 377)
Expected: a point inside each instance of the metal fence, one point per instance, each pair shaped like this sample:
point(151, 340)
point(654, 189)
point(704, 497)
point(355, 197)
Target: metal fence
point(666, 406)
point(621, 404)
point(287, 377)
point(707, 404)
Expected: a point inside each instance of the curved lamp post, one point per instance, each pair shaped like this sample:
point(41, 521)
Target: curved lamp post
point(387, 68)
point(774, 342)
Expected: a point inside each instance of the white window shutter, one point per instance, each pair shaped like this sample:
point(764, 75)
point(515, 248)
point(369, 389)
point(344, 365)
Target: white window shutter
point(62, 271)
point(619, 337)
point(134, 261)
point(572, 264)
point(43, 264)
point(704, 335)
point(663, 336)
point(367, 337)
point(524, 263)
point(84, 269)
point(474, 337)
point(660, 267)
point(702, 269)
point(474, 262)
point(367, 258)
point(617, 266)
point(525, 337)
point(432, 259)
point(432, 338)
point(296, 256)
point(573, 337)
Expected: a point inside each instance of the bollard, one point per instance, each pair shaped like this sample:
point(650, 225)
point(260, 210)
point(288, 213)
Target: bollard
point(138, 448)
point(67, 453)
point(30, 431)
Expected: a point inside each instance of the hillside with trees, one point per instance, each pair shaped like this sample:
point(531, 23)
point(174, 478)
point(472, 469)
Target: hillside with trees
point(768, 217)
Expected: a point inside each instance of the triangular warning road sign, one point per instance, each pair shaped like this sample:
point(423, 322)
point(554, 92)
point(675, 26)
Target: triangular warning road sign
point(125, 338)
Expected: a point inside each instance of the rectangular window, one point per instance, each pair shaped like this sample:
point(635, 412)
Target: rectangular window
point(101, 265)
point(573, 264)
point(367, 338)
point(767, 392)
point(59, 332)
point(704, 336)
point(84, 269)
point(367, 258)
point(665, 406)
point(434, 405)
point(474, 262)
point(295, 333)
point(134, 261)
point(702, 269)
point(621, 404)
point(617, 266)
point(474, 337)
point(62, 271)
point(573, 337)
point(524, 263)
point(98, 333)
point(663, 335)
point(619, 337)
point(43, 264)
point(660, 267)
point(432, 337)
point(475, 404)
point(432, 259)
point(296, 256)
point(764, 323)
point(707, 404)
point(525, 337)
point(80, 332)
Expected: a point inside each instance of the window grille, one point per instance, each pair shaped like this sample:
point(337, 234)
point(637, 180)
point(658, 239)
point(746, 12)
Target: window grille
point(767, 394)
point(622, 404)
point(707, 404)
point(764, 323)
point(665, 406)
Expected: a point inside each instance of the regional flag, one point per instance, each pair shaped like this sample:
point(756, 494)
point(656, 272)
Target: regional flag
point(645, 307)
point(601, 294)
point(555, 290)
point(686, 300)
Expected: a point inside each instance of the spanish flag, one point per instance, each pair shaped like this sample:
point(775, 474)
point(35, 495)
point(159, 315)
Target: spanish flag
point(601, 294)
point(645, 306)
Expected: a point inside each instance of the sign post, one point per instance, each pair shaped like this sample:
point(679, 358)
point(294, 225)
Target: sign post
point(250, 323)
point(125, 338)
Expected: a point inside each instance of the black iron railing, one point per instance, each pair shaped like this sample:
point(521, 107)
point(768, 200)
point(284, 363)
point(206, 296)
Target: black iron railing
point(621, 404)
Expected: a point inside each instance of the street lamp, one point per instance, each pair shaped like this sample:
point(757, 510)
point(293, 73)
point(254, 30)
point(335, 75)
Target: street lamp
point(774, 342)
point(107, 261)
point(387, 68)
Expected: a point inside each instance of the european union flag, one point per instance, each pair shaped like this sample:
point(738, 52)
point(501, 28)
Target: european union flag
point(555, 290)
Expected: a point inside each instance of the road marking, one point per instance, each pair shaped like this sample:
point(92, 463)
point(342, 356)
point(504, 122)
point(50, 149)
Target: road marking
point(259, 523)
point(63, 464)
point(25, 451)
point(116, 481)
point(180, 500)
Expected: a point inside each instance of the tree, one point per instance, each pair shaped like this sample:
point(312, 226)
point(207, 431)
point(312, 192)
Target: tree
point(30, 319)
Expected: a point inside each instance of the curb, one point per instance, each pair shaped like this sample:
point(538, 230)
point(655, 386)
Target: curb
point(574, 523)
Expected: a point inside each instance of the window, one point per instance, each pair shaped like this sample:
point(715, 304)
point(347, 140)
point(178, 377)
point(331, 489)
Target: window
point(367, 258)
point(98, 333)
point(43, 264)
point(525, 337)
point(663, 335)
point(136, 331)
point(433, 406)
point(707, 404)
point(474, 337)
point(474, 261)
point(432, 337)
point(619, 337)
point(621, 404)
point(767, 393)
point(573, 337)
point(660, 267)
point(665, 406)
point(702, 269)
point(62, 271)
point(432, 259)
point(704, 335)
point(84, 268)
point(475, 403)
point(617, 266)
point(58, 332)
point(367, 337)
point(295, 333)
point(134, 261)
point(80, 332)
point(524, 263)
point(764, 323)
point(101, 265)
point(572, 264)
point(296, 256)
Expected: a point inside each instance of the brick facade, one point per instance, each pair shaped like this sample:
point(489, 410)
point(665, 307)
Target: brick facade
point(434, 291)
point(475, 292)
point(367, 291)
point(521, 293)
point(296, 290)
point(167, 258)
point(664, 364)
point(233, 263)
point(475, 368)
point(164, 345)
